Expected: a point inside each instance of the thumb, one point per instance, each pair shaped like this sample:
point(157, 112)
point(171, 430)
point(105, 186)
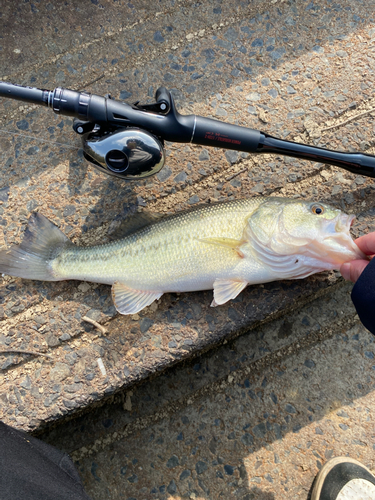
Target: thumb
point(352, 270)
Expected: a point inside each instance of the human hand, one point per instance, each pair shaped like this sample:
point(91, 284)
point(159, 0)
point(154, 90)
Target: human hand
point(352, 270)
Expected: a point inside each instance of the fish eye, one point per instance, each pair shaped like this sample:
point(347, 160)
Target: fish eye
point(317, 209)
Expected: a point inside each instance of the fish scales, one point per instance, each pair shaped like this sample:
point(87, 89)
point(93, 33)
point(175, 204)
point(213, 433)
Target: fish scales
point(169, 251)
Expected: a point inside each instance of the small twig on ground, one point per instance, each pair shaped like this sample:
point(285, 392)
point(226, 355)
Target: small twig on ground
point(21, 351)
point(96, 324)
point(235, 175)
point(348, 120)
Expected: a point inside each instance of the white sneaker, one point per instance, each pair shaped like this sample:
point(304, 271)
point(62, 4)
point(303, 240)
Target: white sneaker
point(343, 478)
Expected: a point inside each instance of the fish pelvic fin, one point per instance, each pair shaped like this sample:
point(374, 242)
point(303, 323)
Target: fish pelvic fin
point(130, 301)
point(225, 290)
point(42, 242)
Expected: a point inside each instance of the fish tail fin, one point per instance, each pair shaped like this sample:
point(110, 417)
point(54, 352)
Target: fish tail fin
point(42, 242)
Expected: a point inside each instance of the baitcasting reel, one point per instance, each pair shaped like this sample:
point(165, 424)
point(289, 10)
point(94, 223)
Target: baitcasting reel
point(128, 141)
point(129, 152)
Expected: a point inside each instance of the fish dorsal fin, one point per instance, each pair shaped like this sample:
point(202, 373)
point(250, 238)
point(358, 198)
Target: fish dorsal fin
point(130, 301)
point(225, 290)
point(122, 228)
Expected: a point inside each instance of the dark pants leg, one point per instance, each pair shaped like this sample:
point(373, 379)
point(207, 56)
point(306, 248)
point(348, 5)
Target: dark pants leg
point(33, 470)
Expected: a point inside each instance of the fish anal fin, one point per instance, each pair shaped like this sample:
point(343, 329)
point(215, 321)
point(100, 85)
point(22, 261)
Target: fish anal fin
point(227, 289)
point(225, 242)
point(130, 301)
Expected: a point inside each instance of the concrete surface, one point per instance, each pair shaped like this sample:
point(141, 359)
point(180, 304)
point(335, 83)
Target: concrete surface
point(253, 419)
point(298, 70)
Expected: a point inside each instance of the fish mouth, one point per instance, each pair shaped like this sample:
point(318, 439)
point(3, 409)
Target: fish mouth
point(344, 222)
point(340, 244)
point(338, 226)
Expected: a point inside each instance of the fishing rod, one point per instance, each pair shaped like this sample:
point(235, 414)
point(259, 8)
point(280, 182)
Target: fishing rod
point(127, 141)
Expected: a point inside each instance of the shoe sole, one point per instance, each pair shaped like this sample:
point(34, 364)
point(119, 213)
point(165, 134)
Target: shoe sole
point(325, 471)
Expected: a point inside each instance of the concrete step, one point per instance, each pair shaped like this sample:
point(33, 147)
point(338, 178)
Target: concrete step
point(254, 418)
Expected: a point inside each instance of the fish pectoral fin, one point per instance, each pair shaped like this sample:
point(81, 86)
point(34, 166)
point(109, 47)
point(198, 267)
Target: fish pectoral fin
point(130, 301)
point(224, 242)
point(225, 290)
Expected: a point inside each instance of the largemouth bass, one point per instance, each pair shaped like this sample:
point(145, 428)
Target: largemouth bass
point(224, 247)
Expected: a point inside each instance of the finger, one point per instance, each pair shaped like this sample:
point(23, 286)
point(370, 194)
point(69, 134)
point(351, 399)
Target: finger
point(366, 243)
point(352, 270)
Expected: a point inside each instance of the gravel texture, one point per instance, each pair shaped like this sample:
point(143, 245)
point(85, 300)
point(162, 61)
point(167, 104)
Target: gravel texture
point(256, 418)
